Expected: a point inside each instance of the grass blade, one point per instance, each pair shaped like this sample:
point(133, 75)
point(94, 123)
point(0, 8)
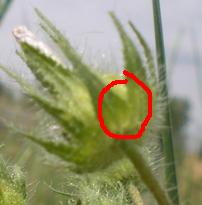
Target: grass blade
point(170, 169)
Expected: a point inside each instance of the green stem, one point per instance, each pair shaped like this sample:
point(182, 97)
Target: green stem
point(134, 154)
point(170, 170)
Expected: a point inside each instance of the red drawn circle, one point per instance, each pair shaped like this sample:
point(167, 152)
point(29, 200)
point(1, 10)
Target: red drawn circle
point(144, 122)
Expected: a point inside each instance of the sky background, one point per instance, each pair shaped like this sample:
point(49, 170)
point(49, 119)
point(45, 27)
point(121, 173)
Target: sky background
point(88, 26)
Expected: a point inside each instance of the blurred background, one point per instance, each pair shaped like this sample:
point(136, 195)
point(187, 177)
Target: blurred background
point(89, 28)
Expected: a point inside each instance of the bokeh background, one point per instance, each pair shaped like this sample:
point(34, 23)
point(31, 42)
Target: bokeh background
point(88, 26)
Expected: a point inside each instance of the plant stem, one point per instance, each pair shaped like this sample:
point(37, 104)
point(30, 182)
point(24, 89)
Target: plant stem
point(170, 169)
point(134, 154)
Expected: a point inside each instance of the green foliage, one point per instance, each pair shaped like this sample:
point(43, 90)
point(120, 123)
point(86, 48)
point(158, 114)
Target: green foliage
point(12, 185)
point(90, 190)
point(69, 98)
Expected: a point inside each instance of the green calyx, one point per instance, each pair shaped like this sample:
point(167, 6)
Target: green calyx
point(70, 97)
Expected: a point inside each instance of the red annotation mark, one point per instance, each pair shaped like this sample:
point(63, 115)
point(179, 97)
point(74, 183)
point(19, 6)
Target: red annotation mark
point(144, 122)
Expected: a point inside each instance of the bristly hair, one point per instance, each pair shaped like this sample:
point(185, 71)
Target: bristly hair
point(69, 100)
point(12, 185)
